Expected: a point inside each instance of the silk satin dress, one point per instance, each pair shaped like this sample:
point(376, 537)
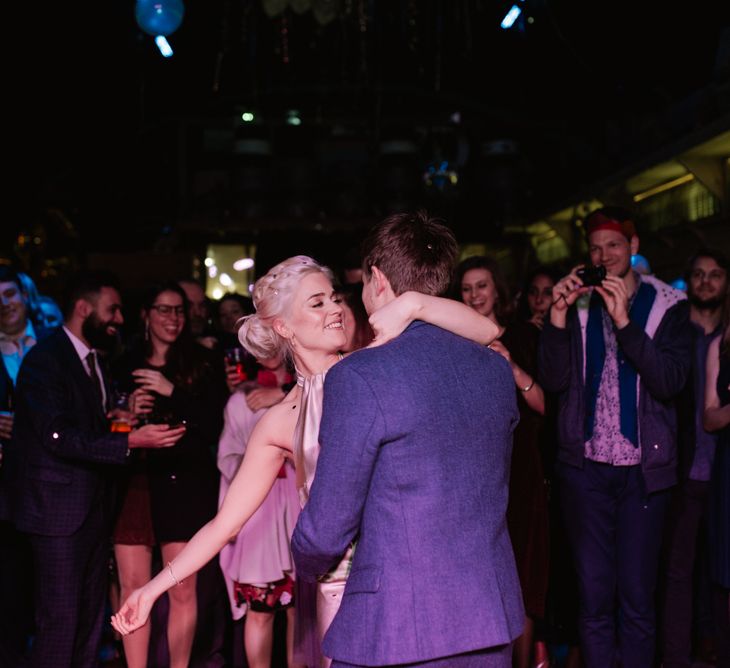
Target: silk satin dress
point(317, 604)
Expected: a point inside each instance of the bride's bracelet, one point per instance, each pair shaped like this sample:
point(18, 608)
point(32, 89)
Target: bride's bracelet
point(172, 575)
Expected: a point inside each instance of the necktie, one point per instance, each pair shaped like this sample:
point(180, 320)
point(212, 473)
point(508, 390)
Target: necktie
point(91, 361)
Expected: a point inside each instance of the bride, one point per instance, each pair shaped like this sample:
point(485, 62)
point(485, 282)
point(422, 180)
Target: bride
point(298, 313)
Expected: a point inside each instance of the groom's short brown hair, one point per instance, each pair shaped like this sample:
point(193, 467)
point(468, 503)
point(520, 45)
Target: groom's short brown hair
point(414, 251)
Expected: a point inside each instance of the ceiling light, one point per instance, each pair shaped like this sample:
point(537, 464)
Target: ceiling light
point(243, 263)
point(164, 46)
point(511, 16)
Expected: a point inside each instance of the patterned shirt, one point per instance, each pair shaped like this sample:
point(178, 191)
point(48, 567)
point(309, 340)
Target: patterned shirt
point(608, 445)
point(705, 442)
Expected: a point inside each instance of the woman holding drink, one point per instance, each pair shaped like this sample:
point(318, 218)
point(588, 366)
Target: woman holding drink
point(168, 498)
point(298, 312)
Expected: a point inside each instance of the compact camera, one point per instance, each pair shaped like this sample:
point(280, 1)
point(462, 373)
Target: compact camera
point(591, 275)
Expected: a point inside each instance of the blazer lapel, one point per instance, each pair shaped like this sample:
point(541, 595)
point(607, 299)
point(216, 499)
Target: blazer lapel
point(81, 378)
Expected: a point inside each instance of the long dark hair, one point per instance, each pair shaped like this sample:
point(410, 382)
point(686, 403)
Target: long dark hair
point(523, 308)
point(502, 306)
point(352, 294)
point(185, 360)
point(725, 332)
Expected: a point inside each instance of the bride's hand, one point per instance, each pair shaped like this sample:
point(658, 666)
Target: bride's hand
point(390, 320)
point(133, 614)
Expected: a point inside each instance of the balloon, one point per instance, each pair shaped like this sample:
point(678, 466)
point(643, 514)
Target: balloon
point(159, 17)
point(640, 264)
point(679, 284)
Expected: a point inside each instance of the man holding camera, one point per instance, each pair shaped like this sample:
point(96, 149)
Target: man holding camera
point(617, 349)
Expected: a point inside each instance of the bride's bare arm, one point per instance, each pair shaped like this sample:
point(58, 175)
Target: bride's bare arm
point(390, 320)
point(264, 456)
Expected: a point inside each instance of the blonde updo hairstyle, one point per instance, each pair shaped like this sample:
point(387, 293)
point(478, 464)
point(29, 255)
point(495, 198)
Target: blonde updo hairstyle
point(272, 299)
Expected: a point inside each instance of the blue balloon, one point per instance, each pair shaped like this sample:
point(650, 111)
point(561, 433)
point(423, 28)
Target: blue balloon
point(640, 264)
point(680, 284)
point(159, 17)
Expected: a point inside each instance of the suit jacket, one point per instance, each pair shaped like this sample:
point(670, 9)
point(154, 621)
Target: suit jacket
point(416, 440)
point(60, 459)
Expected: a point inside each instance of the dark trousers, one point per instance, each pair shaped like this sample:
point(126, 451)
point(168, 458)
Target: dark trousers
point(493, 657)
point(615, 530)
point(687, 510)
point(16, 595)
point(70, 589)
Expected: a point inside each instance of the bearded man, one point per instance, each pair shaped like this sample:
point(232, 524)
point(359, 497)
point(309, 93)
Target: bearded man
point(60, 468)
point(707, 288)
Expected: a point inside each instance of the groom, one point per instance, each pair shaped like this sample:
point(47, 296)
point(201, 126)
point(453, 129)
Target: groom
point(416, 440)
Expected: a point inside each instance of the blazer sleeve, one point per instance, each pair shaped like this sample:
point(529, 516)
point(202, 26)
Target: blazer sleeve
point(664, 361)
point(351, 432)
point(44, 389)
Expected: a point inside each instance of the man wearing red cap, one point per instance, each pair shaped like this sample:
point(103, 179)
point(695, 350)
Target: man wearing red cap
point(616, 354)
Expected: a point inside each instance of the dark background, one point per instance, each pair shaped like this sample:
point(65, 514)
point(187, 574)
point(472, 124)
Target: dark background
point(123, 150)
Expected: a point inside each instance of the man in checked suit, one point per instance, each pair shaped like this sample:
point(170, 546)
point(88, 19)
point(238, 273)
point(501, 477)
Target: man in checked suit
point(61, 464)
point(416, 440)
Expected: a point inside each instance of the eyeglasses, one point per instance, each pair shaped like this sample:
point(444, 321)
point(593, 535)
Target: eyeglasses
point(165, 310)
point(714, 275)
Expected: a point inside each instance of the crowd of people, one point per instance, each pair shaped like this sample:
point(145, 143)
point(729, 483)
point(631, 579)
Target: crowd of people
point(500, 472)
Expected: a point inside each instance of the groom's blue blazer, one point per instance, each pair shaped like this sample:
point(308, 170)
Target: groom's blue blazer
point(416, 440)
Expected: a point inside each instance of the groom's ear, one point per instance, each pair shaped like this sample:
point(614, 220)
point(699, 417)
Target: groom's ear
point(380, 281)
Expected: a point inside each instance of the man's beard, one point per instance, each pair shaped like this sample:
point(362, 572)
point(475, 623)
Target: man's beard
point(711, 304)
point(95, 332)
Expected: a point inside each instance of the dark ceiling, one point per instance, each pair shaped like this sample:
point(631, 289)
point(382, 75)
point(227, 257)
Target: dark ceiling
point(121, 139)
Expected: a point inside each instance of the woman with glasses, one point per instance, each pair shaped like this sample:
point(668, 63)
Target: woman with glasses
point(171, 379)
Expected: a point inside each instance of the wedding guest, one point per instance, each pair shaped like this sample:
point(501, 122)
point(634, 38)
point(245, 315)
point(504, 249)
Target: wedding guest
point(172, 380)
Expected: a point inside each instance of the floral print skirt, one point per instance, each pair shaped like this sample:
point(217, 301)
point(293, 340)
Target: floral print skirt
point(274, 596)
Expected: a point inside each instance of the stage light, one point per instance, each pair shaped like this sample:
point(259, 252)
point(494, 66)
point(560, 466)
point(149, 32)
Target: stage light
point(511, 16)
point(209, 261)
point(217, 293)
point(164, 46)
point(212, 271)
point(226, 280)
point(247, 117)
point(243, 264)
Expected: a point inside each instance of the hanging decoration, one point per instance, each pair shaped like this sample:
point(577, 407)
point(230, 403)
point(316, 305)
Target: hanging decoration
point(324, 11)
point(159, 17)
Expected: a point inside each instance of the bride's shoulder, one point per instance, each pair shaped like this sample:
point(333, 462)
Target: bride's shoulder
point(277, 423)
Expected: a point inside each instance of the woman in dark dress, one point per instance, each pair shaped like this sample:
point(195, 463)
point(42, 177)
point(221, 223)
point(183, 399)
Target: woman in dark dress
point(717, 419)
point(479, 284)
point(169, 497)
